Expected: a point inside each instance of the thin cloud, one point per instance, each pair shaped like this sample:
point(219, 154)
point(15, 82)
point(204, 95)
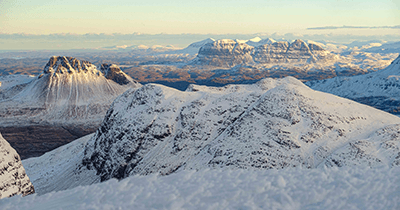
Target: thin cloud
point(354, 27)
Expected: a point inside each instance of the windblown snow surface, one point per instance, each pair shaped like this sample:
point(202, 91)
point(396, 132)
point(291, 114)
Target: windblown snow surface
point(295, 188)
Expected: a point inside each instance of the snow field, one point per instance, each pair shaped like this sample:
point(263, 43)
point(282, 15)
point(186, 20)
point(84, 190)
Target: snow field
point(294, 188)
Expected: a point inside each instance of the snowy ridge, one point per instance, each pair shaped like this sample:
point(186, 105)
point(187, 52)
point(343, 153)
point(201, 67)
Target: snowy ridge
point(380, 89)
point(68, 90)
point(272, 124)
point(13, 179)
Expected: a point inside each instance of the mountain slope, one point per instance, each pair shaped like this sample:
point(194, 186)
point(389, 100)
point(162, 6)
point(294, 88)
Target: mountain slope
point(380, 89)
point(13, 179)
point(61, 168)
point(271, 124)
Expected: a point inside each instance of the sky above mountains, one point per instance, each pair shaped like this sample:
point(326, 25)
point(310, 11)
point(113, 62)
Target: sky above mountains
point(355, 17)
point(178, 16)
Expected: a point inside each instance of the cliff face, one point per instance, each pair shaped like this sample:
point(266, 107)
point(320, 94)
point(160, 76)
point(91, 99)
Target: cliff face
point(13, 179)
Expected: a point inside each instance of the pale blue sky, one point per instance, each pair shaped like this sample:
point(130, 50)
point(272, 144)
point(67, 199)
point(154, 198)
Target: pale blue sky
point(201, 17)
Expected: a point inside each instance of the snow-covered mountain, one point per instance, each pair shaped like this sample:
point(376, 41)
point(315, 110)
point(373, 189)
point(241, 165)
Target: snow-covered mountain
point(380, 89)
point(271, 124)
point(228, 52)
point(70, 94)
point(13, 179)
point(67, 90)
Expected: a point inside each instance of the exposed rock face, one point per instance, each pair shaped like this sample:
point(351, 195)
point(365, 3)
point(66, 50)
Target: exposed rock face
point(227, 52)
point(271, 53)
point(70, 94)
point(13, 179)
point(379, 89)
point(271, 124)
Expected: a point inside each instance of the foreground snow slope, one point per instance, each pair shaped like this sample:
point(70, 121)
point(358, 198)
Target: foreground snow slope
point(13, 179)
point(61, 168)
point(275, 123)
point(326, 188)
point(380, 89)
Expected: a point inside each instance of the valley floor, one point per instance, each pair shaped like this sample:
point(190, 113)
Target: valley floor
point(323, 188)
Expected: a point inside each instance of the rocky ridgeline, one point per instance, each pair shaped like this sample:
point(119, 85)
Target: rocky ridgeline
point(272, 124)
point(229, 53)
point(13, 179)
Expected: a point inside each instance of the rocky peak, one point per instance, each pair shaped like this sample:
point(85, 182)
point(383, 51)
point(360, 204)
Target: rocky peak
point(114, 73)
point(299, 51)
point(64, 64)
point(299, 45)
point(13, 179)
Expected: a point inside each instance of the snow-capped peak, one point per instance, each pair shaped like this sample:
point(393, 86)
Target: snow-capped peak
point(255, 39)
point(201, 43)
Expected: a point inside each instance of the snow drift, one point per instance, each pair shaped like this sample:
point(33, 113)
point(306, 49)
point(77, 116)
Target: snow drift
point(328, 188)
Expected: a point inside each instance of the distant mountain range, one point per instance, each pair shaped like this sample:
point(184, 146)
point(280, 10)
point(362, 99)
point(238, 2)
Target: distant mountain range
point(227, 52)
point(379, 89)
